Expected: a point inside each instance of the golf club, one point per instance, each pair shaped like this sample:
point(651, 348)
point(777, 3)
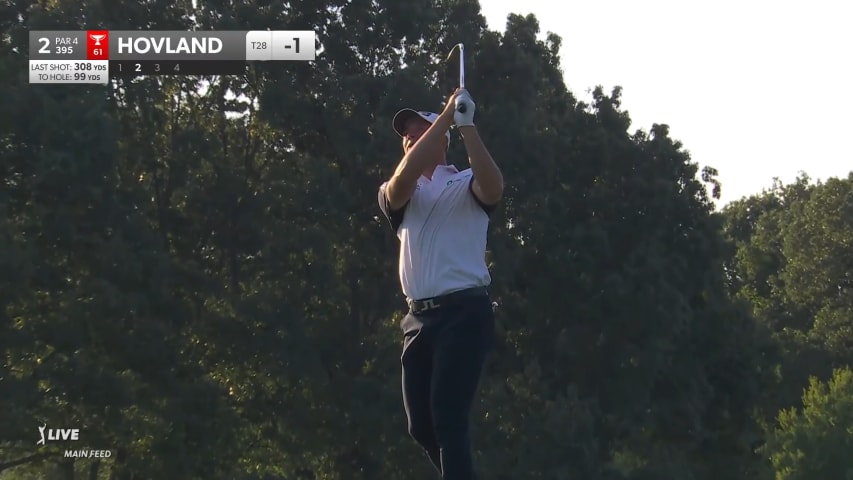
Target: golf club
point(460, 105)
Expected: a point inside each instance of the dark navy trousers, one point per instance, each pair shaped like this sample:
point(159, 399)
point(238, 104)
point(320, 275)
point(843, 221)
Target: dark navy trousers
point(444, 351)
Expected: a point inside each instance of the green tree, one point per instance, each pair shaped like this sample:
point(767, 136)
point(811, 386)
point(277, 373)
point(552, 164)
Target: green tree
point(816, 442)
point(792, 264)
point(201, 280)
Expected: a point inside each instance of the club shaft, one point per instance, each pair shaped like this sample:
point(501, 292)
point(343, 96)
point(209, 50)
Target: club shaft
point(461, 66)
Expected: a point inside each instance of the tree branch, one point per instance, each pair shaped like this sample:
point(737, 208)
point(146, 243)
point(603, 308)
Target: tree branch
point(21, 461)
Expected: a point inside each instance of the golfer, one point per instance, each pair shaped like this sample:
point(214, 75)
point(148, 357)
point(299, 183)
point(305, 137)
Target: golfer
point(441, 217)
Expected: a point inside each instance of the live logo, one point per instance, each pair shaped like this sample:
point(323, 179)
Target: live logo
point(63, 434)
point(97, 45)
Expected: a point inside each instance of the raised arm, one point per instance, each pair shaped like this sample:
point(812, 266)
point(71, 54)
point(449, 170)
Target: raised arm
point(403, 182)
point(488, 183)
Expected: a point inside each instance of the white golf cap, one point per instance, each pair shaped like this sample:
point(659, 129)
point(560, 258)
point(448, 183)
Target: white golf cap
point(401, 117)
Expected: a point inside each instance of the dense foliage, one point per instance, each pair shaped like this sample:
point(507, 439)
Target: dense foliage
point(198, 279)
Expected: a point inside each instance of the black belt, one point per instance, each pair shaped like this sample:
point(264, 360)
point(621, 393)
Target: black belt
point(420, 306)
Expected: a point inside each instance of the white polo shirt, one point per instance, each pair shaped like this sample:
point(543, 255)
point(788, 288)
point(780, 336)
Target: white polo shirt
point(442, 232)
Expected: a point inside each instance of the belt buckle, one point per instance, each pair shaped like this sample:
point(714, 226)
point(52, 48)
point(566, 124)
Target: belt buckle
point(424, 305)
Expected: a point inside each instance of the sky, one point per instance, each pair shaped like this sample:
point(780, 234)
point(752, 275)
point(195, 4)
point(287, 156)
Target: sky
point(756, 89)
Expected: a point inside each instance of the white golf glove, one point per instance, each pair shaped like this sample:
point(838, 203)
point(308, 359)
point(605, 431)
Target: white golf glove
point(464, 119)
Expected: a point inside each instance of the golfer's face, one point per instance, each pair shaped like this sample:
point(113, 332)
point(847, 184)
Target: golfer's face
point(413, 129)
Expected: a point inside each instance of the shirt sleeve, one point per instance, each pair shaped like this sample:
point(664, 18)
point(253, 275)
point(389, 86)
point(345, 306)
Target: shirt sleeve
point(489, 209)
point(395, 217)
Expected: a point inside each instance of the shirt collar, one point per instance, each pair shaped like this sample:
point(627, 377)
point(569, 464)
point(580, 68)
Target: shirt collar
point(442, 171)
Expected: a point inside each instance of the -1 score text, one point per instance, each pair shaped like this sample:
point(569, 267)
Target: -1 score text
point(263, 45)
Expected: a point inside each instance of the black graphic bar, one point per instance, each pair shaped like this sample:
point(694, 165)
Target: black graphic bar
point(141, 45)
point(138, 68)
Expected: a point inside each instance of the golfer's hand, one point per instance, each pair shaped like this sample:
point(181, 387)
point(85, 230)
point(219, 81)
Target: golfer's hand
point(465, 119)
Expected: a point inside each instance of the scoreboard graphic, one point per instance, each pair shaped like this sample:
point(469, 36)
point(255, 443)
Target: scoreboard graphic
point(95, 56)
